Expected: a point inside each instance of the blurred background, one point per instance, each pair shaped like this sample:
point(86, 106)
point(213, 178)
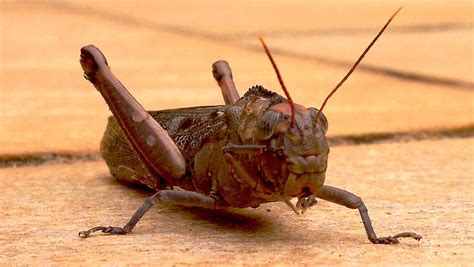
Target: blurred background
point(417, 77)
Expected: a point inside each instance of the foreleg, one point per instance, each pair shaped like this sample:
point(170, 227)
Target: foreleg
point(352, 201)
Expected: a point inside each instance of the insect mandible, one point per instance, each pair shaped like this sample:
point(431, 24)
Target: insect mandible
point(256, 149)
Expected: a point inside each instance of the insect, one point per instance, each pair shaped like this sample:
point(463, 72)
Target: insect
point(256, 149)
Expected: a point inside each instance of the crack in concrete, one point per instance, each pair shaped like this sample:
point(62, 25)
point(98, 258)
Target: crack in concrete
point(403, 29)
point(401, 137)
point(36, 159)
point(375, 69)
point(189, 32)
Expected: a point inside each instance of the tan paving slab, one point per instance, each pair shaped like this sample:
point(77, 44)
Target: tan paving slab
point(445, 55)
point(243, 17)
point(48, 107)
point(419, 186)
point(429, 49)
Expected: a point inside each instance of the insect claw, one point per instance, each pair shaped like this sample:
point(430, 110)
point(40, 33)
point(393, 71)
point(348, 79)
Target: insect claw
point(305, 202)
point(106, 230)
point(415, 236)
point(84, 234)
point(289, 204)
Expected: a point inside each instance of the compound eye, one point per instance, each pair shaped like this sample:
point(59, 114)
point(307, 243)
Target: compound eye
point(267, 124)
point(323, 121)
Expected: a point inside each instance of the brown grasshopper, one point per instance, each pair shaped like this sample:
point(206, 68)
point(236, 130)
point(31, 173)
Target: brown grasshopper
point(256, 149)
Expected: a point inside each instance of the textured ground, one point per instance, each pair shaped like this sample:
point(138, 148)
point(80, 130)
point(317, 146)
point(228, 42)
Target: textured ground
point(417, 78)
point(404, 186)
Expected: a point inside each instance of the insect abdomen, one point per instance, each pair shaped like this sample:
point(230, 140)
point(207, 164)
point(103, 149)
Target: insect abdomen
point(123, 162)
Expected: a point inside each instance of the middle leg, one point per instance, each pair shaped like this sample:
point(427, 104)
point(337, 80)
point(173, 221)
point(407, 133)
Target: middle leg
point(223, 75)
point(171, 197)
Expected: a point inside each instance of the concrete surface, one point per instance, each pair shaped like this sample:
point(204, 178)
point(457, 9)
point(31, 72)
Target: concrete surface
point(418, 77)
point(42, 209)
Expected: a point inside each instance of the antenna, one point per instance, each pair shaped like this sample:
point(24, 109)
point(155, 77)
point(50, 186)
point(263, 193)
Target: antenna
point(280, 79)
point(357, 62)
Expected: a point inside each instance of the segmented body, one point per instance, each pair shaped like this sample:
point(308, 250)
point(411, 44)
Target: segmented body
point(200, 134)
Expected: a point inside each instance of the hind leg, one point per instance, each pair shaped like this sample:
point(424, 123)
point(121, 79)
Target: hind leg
point(223, 75)
point(152, 143)
point(123, 161)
